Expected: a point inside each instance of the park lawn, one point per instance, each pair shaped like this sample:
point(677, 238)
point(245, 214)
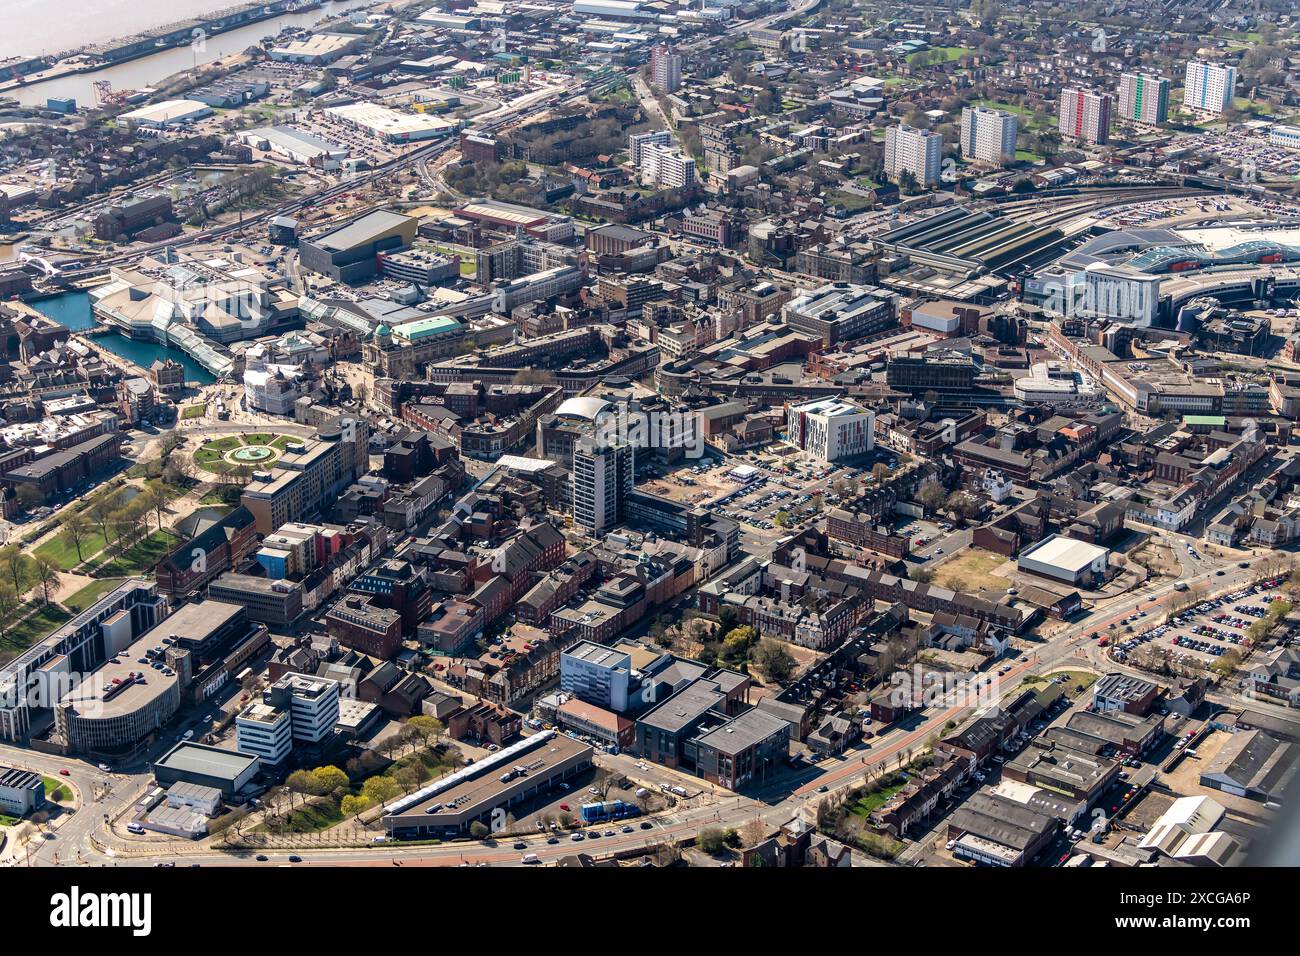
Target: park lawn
point(193, 411)
point(36, 626)
point(53, 785)
point(87, 596)
point(949, 53)
point(1028, 156)
point(61, 552)
point(224, 444)
point(8, 821)
point(282, 442)
point(140, 557)
point(972, 570)
point(259, 438)
point(311, 818)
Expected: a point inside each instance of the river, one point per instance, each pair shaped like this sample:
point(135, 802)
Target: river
point(73, 310)
point(30, 29)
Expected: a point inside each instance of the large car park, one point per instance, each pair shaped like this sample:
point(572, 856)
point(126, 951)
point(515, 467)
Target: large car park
point(1206, 631)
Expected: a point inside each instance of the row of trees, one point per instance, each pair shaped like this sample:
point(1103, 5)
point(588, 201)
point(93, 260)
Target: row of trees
point(116, 520)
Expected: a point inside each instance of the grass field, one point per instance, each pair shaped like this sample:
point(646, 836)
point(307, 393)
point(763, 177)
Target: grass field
point(36, 626)
point(193, 411)
point(61, 552)
point(940, 54)
point(138, 558)
point(1028, 156)
point(850, 201)
point(78, 602)
point(972, 571)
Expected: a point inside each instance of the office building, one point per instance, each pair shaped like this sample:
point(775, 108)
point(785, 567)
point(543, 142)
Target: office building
point(1209, 87)
point(312, 703)
point(841, 312)
point(915, 151)
point(602, 480)
point(1143, 98)
point(21, 791)
point(831, 428)
point(264, 731)
point(596, 674)
point(988, 136)
point(1285, 136)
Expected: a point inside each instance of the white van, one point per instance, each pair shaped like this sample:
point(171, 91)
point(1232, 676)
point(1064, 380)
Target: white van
point(531, 858)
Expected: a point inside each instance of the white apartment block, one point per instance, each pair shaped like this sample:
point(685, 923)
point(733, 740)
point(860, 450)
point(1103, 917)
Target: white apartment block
point(917, 151)
point(1143, 98)
point(637, 142)
point(988, 136)
point(666, 167)
point(1085, 116)
point(1209, 87)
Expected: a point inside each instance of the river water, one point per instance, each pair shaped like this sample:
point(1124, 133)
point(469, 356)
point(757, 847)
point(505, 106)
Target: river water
point(73, 310)
point(32, 26)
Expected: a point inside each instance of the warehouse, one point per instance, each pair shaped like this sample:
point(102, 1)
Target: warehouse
point(1077, 563)
point(295, 145)
point(350, 252)
point(1252, 764)
point(168, 113)
point(390, 125)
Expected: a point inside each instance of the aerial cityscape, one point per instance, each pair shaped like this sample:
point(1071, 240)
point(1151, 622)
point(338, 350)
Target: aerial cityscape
point(649, 434)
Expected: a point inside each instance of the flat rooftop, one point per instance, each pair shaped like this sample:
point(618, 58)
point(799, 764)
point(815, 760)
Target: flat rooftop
point(1066, 553)
point(187, 757)
point(480, 784)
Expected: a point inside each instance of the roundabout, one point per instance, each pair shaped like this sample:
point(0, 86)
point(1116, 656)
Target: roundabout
point(231, 452)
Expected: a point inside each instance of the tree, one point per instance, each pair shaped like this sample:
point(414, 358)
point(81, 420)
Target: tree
point(774, 661)
point(429, 728)
point(155, 498)
point(9, 603)
point(302, 783)
point(330, 779)
point(76, 529)
point(738, 640)
point(381, 789)
point(408, 778)
point(17, 565)
point(354, 805)
point(921, 575)
point(478, 830)
point(712, 840)
point(47, 575)
point(1227, 663)
point(931, 495)
point(101, 511)
point(880, 471)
